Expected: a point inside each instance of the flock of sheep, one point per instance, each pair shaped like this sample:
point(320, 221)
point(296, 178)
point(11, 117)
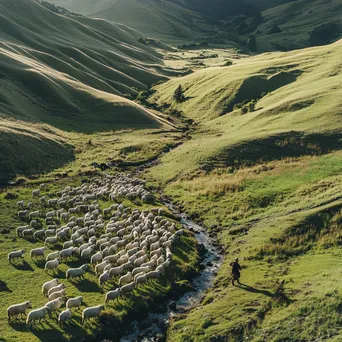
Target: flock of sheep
point(129, 246)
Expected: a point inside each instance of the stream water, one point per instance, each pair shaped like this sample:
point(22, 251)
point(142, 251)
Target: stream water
point(153, 328)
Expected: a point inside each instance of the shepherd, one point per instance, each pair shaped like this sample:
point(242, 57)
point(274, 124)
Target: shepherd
point(236, 268)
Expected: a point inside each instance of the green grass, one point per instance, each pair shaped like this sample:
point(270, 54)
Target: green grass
point(268, 185)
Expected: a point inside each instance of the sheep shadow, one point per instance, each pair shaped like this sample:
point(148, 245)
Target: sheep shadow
point(86, 286)
point(18, 324)
point(24, 266)
point(56, 273)
point(40, 263)
point(4, 287)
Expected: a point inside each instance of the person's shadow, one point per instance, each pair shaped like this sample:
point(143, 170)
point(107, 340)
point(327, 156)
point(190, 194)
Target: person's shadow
point(254, 290)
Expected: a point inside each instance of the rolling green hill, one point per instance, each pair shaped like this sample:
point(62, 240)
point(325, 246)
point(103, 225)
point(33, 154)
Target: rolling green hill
point(262, 171)
point(169, 21)
point(276, 24)
point(69, 74)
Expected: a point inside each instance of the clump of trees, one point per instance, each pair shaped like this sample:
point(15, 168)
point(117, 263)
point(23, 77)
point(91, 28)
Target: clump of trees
point(179, 95)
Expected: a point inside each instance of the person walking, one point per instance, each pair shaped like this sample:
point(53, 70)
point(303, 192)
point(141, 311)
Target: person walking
point(236, 268)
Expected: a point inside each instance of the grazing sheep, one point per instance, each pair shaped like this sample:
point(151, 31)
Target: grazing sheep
point(21, 204)
point(116, 271)
point(111, 295)
point(104, 277)
point(127, 288)
point(74, 302)
point(138, 262)
point(52, 256)
point(64, 316)
point(100, 267)
point(76, 272)
point(54, 305)
point(66, 253)
point(153, 275)
point(51, 265)
point(96, 258)
point(140, 278)
point(16, 254)
point(141, 270)
point(20, 230)
point(36, 252)
point(36, 193)
point(18, 309)
point(86, 253)
point(92, 312)
point(57, 294)
point(51, 240)
point(48, 285)
point(39, 234)
point(22, 214)
point(126, 278)
point(56, 289)
point(34, 215)
point(36, 315)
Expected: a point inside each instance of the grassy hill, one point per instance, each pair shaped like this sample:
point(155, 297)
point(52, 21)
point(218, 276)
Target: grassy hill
point(276, 24)
point(169, 21)
point(66, 74)
point(265, 179)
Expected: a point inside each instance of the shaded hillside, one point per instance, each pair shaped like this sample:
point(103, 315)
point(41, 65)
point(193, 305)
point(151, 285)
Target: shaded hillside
point(69, 73)
point(276, 24)
point(169, 21)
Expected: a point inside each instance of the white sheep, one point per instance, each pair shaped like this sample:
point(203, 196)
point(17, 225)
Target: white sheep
point(153, 275)
point(36, 193)
point(52, 256)
point(76, 272)
point(51, 265)
point(127, 288)
point(141, 270)
point(100, 267)
point(34, 215)
point(21, 204)
point(104, 277)
point(15, 254)
point(18, 309)
point(54, 305)
point(57, 294)
point(48, 285)
point(39, 234)
point(96, 258)
point(36, 252)
point(111, 295)
point(74, 302)
point(140, 261)
point(140, 278)
point(66, 253)
point(92, 312)
point(126, 278)
point(64, 316)
point(20, 230)
point(36, 315)
point(56, 289)
point(116, 271)
point(51, 240)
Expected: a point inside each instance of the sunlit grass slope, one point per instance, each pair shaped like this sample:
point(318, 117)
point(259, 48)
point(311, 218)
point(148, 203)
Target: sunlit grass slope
point(267, 182)
point(296, 97)
point(66, 74)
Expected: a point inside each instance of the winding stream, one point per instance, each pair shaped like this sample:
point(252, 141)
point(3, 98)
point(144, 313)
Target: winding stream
point(154, 327)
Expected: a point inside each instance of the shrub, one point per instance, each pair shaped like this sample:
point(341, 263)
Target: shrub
point(179, 94)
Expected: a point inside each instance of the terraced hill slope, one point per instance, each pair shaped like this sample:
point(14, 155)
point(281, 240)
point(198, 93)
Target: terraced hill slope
point(60, 74)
